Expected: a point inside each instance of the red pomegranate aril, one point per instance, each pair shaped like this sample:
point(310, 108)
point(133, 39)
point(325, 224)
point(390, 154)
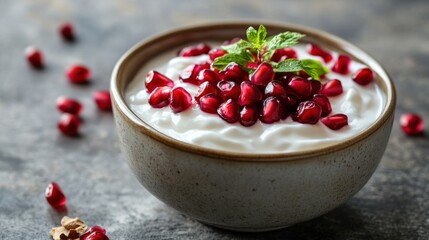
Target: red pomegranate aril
point(204, 89)
point(285, 78)
point(249, 115)
point(69, 124)
point(332, 88)
point(92, 230)
point(249, 95)
point(78, 74)
point(69, 105)
point(324, 103)
point(308, 112)
point(208, 75)
point(229, 111)
point(233, 72)
point(283, 54)
point(315, 50)
point(252, 65)
point(210, 103)
point(270, 111)
point(291, 102)
point(275, 89)
point(315, 86)
point(412, 124)
point(336, 121)
point(193, 51)
point(263, 74)
point(363, 76)
point(302, 87)
point(156, 79)
point(228, 89)
point(102, 100)
point(160, 97)
point(342, 65)
point(180, 100)
point(66, 31)
point(215, 53)
point(190, 74)
point(55, 196)
point(94, 236)
point(34, 57)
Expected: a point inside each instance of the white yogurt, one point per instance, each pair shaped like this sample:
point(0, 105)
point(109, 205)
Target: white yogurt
point(362, 104)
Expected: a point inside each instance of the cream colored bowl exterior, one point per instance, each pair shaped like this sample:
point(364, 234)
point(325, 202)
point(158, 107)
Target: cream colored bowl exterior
point(250, 192)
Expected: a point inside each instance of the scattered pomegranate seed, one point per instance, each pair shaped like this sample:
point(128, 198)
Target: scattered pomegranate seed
point(302, 87)
point(34, 57)
point(155, 79)
point(263, 74)
point(270, 111)
point(228, 89)
point(160, 97)
point(204, 89)
point(215, 53)
point(102, 99)
point(229, 111)
point(210, 103)
point(69, 124)
point(332, 88)
point(275, 89)
point(69, 105)
point(94, 236)
point(412, 124)
point(92, 230)
point(180, 99)
point(208, 75)
point(55, 196)
point(249, 116)
point(193, 51)
point(233, 72)
point(342, 65)
point(336, 121)
point(324, 103)
point(78, 74)
point(283, 54)
point(249, 95)
point(66, 31)
point(308, 112)
point(363, 76)
point(315, 50)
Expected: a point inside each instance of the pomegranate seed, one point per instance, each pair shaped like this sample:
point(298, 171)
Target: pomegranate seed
point(160, 97)
point(193, 51)
point(275, 89)
point(229, 111)
point(102, 99)
point(363, 76)
point(69, 105)
point(204, 89)
point(250, 94)
point(308, 112)
point(315, 86)
point(228, 89)
point(291, 102)
point(342, 65)
point(92, 230)
point(66, 31)
point(208, 75)
point(252, 65)
point(215, 53)
point(336, 121)
point(270, 111)
point(324, 103)
point(285, 78)
point(190, 73)
point(283, 54)
point(210, 103)
point(69, 124)
point(411, 124)
point(249, 115)
point(180, 99)
point(233, 72)
point(315, 50)
point(78, 74)
point(302, 87)
point(94, 236)
point(155, 79)
point(263, 74)
point(34, 57)
point(332, 88)
point(55, 196)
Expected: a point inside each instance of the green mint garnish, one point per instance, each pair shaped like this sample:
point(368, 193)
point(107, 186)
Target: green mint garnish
point(258, 48)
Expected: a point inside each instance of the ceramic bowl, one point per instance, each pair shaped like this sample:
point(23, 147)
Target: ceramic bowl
point(246, 192)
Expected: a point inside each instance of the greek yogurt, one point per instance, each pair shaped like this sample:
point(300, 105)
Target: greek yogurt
point(362, 104)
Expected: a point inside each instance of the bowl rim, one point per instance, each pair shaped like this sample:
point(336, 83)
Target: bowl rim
point(118, 100)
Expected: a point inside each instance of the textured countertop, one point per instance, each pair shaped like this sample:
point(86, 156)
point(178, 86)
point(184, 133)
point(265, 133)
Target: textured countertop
point(91, 170)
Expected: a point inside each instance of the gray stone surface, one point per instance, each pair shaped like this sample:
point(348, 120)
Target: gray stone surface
point(91, 170)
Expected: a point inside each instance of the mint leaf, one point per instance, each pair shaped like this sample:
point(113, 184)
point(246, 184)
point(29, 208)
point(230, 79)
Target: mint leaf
point(262, 34)
point(288, 65)
point(313, 68)
point(283, 40)
point(240, 58)
point(257, 38)
point(237, 47)
point(252, 35)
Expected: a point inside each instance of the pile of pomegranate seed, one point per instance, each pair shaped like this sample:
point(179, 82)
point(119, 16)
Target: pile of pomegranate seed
point(55, 196)
point(412, 124)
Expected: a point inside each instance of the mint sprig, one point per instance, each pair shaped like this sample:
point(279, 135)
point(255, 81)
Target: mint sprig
point(258, 48)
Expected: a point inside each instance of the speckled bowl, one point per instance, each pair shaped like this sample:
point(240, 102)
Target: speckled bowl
point(246, 192)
